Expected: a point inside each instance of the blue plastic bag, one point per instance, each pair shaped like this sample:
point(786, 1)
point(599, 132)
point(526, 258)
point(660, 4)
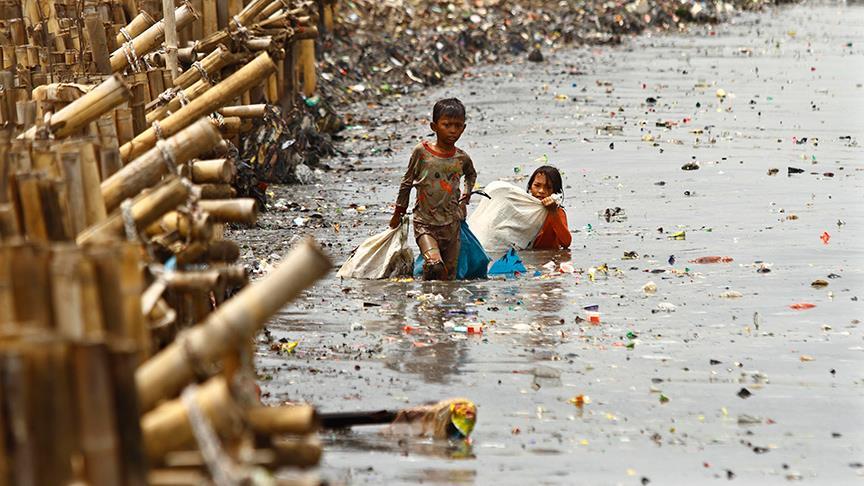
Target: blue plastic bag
point(508, 265)
point(473, 260)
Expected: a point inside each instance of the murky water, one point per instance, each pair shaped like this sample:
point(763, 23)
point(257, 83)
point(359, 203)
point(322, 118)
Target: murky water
point(793, 98)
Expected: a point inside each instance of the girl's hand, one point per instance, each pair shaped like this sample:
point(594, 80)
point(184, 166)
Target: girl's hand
point(549, 202)
point(396, 219)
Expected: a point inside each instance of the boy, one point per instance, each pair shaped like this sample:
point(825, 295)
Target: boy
point(436, 170)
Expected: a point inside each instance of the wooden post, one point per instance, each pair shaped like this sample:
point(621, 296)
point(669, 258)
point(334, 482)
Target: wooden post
point(166, 373)
point(145, 171)
point(245, 78)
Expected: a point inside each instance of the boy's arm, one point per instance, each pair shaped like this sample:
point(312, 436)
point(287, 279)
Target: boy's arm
point(404, 196)
point(470, 178)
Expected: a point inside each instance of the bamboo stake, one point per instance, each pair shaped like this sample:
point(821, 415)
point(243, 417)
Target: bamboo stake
point(124, 359)
point(292, 419)
point(299, 452)
point(139, 24)
point(149, 39)
point(307, 67)
point(242, 211)
point(31, 296)
point(98, 42)
point(245, 78)
point(100, 445)
point(217, 191)
point(144, 209)
point(8, 222)
point(103, 98)
point(190, 93)
point(234, 322)
point(215, 171)
point(244, 111)
point(75, 294)
point(170, 38)
point(211, 64)
point(146, 170)
point(218, 251)
point(167, 428)
point(31, 205)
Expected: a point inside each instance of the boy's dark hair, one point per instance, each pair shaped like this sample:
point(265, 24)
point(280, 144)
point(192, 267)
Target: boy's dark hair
point(552, 175)
point(448, 107)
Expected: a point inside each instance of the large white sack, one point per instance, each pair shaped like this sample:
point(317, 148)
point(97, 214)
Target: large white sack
point(384, 255)
point(512, 218)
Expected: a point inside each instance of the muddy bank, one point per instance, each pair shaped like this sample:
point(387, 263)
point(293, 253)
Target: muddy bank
point(752, 390)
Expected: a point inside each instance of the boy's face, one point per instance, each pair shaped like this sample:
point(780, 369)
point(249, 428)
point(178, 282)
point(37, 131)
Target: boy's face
point(448, 129)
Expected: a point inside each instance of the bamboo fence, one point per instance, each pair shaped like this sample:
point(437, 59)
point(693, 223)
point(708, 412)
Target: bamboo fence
point(116, 284)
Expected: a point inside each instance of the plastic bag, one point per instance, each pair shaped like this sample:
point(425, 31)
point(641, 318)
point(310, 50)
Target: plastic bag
point(510, 218)
point(473, 260)
point(509, 265)
point(385, 255)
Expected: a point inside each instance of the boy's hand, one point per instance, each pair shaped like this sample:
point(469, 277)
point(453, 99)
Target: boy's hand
point(396, 219)
point(463, 204)
point(549, 202)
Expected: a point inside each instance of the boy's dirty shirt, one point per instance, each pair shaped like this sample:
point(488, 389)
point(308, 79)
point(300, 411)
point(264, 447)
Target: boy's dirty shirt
point(436, 176)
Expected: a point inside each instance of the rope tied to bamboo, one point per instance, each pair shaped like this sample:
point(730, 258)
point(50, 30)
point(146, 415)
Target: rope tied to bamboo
point(128, 221)
point(218, 118)
point(196, 365)
point(131, 57)
point(157, 129)
point(125, 34)
point(167, 155)
point(203, 72)
point(184, 100)
point(223, 469)
point(242, 31)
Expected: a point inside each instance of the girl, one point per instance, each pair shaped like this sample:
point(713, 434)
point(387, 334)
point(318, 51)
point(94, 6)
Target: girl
point(543, 184)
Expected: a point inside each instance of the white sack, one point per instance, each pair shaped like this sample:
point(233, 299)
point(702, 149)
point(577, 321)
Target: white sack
point(511, 218)
point(384, 255)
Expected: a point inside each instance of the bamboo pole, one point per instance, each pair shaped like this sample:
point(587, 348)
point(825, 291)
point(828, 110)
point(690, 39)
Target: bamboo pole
point(194, 280)
point(307, 67)
point(100, 445)
point(124, 360)
point(234, 322)
point(217, 191)
point(98, 42)
point(144, 209)
point(147, 169)
point(170, 38)
point(213, 171)
point(244, 111)
point(292, 419)
point(245, 78)
point(149, 39)
point(31, 295)
point(301, 452)
point(217, 251)
point(76, 115)
point(75, 294)
point(242, 211)
point(197, 89)
point(31, 205)
point(139, 24)
point(211, 64)
point(8, 222)
point(167, 428)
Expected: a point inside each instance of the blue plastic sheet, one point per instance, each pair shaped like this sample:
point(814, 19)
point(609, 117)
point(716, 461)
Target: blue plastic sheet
point(508, 265)
point(473, 260)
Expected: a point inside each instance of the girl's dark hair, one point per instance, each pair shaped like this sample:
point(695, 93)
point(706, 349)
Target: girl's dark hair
point(448, 107)
point(552, 175)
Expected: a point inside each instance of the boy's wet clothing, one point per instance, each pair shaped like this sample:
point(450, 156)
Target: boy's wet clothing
point(437, 211)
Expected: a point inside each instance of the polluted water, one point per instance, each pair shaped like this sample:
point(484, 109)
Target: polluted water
point(725, 361)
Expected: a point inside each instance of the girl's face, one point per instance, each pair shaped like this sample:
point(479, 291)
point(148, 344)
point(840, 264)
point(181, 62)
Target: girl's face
point(541, 188)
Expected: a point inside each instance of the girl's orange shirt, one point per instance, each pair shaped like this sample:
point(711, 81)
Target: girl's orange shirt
point(555, 234)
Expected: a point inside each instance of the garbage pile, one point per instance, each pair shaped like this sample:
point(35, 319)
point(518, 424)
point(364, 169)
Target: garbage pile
point(125, 345)
point(381, 48)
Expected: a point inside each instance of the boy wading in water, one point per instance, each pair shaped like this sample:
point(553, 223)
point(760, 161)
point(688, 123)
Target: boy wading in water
point(436, 170)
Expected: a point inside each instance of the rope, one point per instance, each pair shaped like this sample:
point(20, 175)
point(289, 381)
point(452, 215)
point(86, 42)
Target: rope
point(125, 34)
point(131, 57)
point(211, 449)
point(243, 31)
point(218, 118)
point(184, 100)
point(167, 156)
point(128, 220)
point(203, 72)
point(158, 129)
